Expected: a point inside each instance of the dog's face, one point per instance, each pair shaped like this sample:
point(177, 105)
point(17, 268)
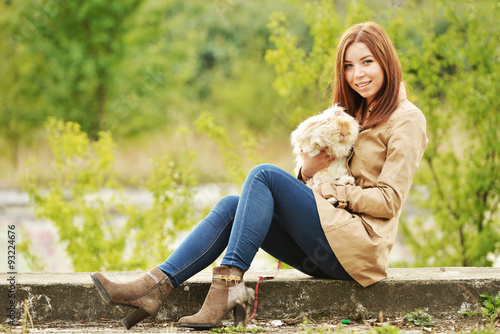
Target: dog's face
point(333, 130)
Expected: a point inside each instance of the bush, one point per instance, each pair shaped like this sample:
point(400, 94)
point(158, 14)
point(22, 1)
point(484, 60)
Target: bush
point(83, 196)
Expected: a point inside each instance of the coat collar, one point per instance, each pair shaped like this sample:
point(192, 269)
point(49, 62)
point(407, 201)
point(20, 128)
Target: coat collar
point(402, 92)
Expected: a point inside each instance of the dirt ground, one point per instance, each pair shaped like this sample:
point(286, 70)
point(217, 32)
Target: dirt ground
point(310, 326)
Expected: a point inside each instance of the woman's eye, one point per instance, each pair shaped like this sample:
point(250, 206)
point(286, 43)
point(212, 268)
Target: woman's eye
point(346, 66)
point(368, 61)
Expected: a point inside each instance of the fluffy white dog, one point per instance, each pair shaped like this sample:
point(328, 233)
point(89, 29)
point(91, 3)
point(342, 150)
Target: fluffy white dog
point(334, 131)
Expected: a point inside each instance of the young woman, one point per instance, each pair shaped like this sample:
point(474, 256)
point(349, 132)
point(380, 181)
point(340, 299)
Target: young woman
point(280, 214)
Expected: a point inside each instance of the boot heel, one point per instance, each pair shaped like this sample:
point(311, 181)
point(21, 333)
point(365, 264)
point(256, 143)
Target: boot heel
point(240, 315)
point(133, 318)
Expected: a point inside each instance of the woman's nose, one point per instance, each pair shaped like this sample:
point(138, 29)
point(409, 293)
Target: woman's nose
point(359, 72)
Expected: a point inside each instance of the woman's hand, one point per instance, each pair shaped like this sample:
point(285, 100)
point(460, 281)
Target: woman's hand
point(312, 165)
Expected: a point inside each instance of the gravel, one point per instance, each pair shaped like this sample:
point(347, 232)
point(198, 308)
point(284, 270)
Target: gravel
point(315, 325)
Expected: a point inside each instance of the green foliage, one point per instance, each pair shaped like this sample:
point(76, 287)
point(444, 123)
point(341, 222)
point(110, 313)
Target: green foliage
point(303, 73)
point(420, 318)
point(232, 155)
point(230, 78)
point(107, 63)
point(302, 77)
point(490, 312)
point(134, 66)
point(237, 329)
point(385, 329)
point(83, 198)
point(490, 307)
point(80, 46)
point(6, 329)
point(325, 329)
point(451, 70)
point(33, 261)
point(155, 228)
point(483, 331)
point(17, 118)
point(75, 201)
point(470, 314)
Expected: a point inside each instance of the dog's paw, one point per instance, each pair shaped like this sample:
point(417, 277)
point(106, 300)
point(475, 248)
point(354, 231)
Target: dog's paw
point(345, 180)
point(332, 200)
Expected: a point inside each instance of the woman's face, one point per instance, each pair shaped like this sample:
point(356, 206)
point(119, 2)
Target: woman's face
point(362, 71)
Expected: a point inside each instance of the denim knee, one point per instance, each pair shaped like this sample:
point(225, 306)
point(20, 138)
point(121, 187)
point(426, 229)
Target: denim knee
point(261, 167)
point(256, 171)
point(229, 201)
point(226, 207)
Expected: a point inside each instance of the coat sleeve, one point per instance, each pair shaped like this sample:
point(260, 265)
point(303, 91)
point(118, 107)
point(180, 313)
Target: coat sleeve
point(406, 144)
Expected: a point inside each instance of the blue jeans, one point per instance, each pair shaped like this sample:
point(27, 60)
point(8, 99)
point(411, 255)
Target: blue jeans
point(275, 212)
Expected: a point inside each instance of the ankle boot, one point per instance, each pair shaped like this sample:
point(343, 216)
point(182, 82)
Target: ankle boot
point(227, 292)
point(146, 294)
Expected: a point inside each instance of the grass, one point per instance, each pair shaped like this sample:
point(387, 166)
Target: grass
point(490, 307)
point(420, 318)
point(421, 322)
point(237, 329)
point(24, 323)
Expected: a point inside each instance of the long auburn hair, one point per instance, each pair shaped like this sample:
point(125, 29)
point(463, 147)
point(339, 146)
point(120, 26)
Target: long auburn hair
point(386, 100)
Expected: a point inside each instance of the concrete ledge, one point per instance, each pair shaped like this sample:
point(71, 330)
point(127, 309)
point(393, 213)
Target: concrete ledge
point(439, 291)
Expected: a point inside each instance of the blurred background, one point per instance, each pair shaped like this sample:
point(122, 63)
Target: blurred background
point(123, 122)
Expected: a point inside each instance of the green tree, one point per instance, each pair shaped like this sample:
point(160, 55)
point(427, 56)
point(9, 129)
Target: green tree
point(81, 44)
point(231, 79)
point(17, 117)
point(453, 71)
point(303, 73)
point(135, 66)
point(98, 63)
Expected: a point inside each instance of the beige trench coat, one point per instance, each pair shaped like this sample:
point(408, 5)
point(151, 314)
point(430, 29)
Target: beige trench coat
point(383, 164)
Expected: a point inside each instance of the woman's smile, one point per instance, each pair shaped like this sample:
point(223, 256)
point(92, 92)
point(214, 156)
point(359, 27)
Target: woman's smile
point(363, 85)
